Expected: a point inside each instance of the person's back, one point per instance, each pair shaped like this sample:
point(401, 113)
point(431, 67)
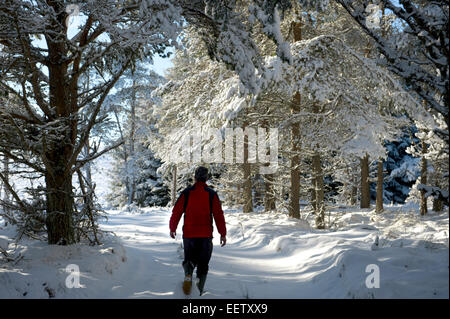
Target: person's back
point(198, 220)
point(200, 205)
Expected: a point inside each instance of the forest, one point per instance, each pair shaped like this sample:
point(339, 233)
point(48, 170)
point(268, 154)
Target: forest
point(323, 124)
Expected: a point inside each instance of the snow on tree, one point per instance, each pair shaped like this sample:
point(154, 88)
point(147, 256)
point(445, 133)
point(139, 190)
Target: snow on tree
point(344, 92)
point(418, 54)
point(402, 169)
point(433, 152)
point(134, 178)
point(42, 66)
point(336, 82)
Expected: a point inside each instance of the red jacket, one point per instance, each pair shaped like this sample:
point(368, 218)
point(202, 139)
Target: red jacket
point(197, 218)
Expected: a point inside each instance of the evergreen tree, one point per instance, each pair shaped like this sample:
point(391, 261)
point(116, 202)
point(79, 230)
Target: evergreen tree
point(135, 178)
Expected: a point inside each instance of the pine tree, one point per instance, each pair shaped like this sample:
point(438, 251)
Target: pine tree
point(135, 176)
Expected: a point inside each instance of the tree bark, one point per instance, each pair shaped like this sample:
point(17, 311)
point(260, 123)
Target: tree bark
point(423, 180)
point(174, 185)
point(5, 187)
point(379, 202)
point(438, 206)
point(132, 179)
point(354, 189)
point(318, 185)
point(6, 174)
point(58, 153)
point(294, 198)
point(269, 191)
point(365, 188)
point(269, 196)
point(59, 221)
point(353, 195)
point(87, 169)
point(313, 193)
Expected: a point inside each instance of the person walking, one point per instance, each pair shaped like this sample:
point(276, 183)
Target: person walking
point(200, 205)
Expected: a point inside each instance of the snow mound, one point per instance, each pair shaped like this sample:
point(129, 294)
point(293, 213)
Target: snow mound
point(44, 269)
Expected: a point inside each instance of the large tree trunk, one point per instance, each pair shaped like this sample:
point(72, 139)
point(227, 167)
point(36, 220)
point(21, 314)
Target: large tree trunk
point(319, 209)
point(59, 221)
point(294, 203)
point(59, 150)
point(379, 202)
point(423, 180)
point(294, 198)
point(365, 188)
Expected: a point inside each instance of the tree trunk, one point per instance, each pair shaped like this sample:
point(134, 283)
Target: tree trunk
point(353, 195)
point(132, 179)
point(365, 189)
point(423, 180)
point(354, 189)
point(258, 190)
point(294, 204)
point(313, 193)
point(58, 150)
point(59, 221)
point(269, 196)
point(5, 188)
point(318, 185)
point(269, 191)
point(174, 185)
point(239, 199)
point(247, 185)
point(294, 198)
point(6, 175)
point(438, 205)
point(87, 169)
point(379, 202)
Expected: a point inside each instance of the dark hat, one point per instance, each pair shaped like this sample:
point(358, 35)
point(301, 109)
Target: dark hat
point(201, 174)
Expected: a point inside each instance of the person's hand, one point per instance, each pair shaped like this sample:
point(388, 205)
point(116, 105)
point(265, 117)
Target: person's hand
point(223, 241)
point(173, 234)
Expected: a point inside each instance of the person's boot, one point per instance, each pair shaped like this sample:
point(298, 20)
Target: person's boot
point(187, 284)
point(188, 268)
point(201, 283)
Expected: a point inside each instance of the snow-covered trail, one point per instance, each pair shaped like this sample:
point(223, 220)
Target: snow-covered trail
point(268, 255)
point(273, 256)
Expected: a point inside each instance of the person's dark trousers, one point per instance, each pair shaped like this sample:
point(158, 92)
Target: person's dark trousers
point(197, 253)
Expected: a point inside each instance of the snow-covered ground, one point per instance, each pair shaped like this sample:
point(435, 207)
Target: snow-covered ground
point(267, 256)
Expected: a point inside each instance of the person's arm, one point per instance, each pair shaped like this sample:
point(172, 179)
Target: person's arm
point(177, 211)
point(219, 219)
